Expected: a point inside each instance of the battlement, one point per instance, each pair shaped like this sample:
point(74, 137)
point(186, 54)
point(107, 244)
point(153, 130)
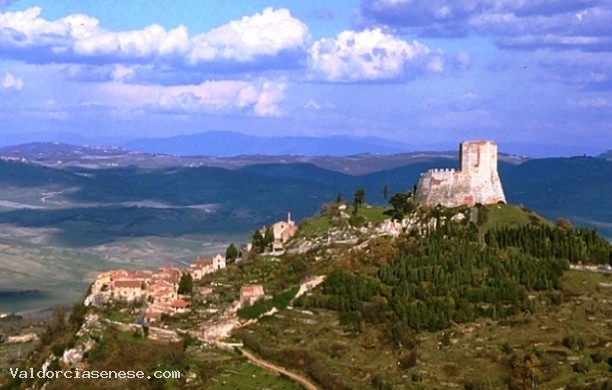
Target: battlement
point(437, 170)
point(476, 181)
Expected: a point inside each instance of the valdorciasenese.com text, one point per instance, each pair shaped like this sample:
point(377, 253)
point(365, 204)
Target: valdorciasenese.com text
point(91, 374)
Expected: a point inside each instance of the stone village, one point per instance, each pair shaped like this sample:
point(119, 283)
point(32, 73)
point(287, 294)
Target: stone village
point(158, 290)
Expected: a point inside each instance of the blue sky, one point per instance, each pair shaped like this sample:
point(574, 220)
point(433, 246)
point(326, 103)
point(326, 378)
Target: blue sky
point(424, 72)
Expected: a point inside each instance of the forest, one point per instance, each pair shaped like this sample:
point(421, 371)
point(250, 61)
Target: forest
point(455, 275)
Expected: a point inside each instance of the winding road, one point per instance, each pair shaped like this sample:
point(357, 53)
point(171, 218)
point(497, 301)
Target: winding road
point(269, 366)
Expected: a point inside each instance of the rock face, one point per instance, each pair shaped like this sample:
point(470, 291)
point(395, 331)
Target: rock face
point(476, 181)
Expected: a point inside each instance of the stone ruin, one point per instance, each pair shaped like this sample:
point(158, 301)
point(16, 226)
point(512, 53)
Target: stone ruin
point(475, 182)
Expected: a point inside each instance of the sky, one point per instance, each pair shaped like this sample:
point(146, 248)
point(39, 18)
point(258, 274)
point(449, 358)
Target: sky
point(422, 72)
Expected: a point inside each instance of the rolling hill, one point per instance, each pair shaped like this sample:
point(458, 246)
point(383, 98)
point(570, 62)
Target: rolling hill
point(121, 200)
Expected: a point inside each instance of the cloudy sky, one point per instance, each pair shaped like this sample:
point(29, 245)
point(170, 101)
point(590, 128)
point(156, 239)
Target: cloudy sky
point(417, 71)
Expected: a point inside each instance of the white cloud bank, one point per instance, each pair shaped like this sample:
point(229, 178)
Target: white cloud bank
point(272, 39)
point(258, 98)
point(267, 33)
point(78, 37)
point(365, 56)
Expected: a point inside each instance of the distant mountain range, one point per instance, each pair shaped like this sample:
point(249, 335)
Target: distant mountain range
point(226, 143)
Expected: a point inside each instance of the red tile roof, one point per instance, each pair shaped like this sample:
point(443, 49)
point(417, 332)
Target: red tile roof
point(128, 284)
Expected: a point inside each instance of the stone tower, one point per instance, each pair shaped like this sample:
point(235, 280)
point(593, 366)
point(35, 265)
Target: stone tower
point(476, 181)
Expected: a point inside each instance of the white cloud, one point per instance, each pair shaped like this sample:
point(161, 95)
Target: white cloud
point(32, 26)
point(365, 55)
point(267, 103)
point(540, 23)
point(11, 82)
point(546, 31)
point(78, 37)
point(258, 98)
point(266, 33)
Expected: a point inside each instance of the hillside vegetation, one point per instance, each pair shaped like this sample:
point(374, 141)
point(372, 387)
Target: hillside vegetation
point(479, 307)
point(472, 298)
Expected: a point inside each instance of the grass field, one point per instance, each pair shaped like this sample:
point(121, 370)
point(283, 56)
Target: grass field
point(244, 375)
point(229, 371)
point(374, 214)
point(508, 216)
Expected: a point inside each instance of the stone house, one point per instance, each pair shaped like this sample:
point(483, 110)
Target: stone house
point(152, 315)
point(251, 293)
point(154, 312)
point(180, 306)
point(283, 231)
point(170, 274)
point(202, 267)
point(128, 290)
point(162, 291)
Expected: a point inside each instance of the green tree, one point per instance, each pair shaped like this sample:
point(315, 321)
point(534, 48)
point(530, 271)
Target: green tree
point(358, 199)
point(231, 253)
point(258, 241)
point(398, 202)
point(186, 284)
point(402, 204)
point(268, 238)
point(360, 196)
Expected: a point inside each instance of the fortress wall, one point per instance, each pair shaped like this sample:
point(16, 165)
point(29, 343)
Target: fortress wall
point(437, 185)
point(476, 182)
point(478, 157)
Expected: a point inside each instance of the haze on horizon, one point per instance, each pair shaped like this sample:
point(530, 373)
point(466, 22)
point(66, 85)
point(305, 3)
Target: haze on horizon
point(419, 72)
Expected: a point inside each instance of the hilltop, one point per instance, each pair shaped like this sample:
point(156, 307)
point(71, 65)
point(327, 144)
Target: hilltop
point(358, 300)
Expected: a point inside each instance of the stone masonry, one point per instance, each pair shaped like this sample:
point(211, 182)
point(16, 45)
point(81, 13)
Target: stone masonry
point(476, 181)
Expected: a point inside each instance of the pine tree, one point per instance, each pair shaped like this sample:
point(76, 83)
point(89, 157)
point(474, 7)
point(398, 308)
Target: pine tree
point(231, 253)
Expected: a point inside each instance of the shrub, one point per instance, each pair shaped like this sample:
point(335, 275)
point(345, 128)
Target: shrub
point(358, 221)
point(506, 348)
point(573, 342)
point(408, 360)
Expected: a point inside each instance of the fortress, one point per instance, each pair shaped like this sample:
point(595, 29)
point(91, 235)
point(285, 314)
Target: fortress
point(476, 181)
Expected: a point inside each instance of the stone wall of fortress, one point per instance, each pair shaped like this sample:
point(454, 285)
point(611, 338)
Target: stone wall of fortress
point(477, 180)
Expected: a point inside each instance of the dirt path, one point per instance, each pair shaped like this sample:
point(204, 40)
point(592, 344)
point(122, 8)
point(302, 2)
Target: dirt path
point(269, 366)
